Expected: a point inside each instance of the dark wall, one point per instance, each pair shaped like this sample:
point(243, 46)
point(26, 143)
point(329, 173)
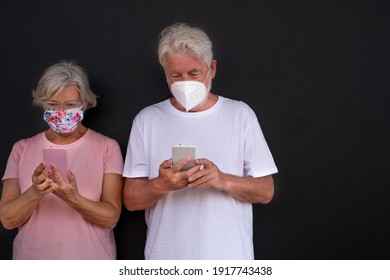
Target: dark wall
point(315, 72)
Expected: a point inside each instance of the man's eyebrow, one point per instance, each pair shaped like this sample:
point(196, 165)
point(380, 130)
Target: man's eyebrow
point(195, 70)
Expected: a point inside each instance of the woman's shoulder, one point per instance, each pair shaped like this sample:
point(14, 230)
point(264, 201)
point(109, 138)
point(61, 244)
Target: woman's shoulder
point(96, 136)
point(20, 145)
point(98, 143)
point(26, 141)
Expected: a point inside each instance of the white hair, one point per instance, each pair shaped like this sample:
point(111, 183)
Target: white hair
point(180, 37)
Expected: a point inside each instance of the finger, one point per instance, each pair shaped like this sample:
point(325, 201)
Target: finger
point(202, 171)
point(180, 164)
point(201, 182)
point(57, 175)
point(72, 178)
point(166, 164)
point(207, 168)
point(47, 172)
point(203, 161)
point(194, 185)
point(193, 170)
point(37, 180)
point(195, 176)
point(46, 184)
point(38, 170)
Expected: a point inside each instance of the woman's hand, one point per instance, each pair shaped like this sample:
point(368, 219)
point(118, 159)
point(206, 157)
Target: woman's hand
point(41, 182)
point(68, 192)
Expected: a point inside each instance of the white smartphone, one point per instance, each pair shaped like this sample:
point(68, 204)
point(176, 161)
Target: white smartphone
point(181, 151)
point(57, 156)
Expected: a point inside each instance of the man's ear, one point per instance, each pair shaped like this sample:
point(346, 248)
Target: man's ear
point(213, 68)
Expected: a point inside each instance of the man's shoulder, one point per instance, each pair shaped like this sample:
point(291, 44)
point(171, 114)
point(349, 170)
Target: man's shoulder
point(151, 110)
point(234, 105)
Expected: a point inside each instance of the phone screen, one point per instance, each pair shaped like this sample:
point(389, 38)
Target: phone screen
point(56, 156)
point(182, 151)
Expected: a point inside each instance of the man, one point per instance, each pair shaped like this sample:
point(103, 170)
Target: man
point(204, 212)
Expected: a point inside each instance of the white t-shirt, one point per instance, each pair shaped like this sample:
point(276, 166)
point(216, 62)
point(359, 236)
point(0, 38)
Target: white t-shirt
point(201, 223)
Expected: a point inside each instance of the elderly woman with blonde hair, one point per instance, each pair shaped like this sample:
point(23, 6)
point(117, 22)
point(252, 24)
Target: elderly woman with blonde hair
point(69, 214)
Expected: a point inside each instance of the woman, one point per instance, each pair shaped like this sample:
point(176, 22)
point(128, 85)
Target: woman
point(63, 218)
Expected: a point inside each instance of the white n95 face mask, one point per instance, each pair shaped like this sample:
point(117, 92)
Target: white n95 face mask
point(189, 93)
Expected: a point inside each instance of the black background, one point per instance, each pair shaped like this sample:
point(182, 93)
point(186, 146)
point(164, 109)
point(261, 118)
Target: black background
point(315, 72)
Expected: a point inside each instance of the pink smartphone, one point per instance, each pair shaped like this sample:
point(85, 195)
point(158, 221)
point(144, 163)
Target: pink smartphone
point(57, 156)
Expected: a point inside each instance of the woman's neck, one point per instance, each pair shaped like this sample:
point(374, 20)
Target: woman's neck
point(66, 138)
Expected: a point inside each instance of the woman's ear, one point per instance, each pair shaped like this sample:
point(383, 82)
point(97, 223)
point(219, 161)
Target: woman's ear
point(86, 106)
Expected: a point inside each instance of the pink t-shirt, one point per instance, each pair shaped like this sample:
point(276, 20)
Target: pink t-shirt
point(55, 230)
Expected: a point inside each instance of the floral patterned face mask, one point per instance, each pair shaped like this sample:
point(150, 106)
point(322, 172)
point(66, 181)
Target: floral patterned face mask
point(63, 121)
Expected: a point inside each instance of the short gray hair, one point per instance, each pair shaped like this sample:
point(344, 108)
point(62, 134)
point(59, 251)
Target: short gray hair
point(61, 75)
point(181, 37)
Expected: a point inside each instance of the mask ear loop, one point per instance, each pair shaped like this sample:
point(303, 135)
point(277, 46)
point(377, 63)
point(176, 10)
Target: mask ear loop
point(207, 92)
point(207, 76)
point(167, 80)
